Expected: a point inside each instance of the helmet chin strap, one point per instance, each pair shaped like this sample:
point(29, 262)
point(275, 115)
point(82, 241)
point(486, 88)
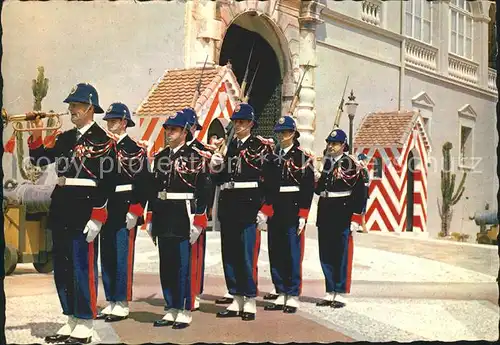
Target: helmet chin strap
point(287, 138)
point(335, 154)
point(79, 115)
point(241, 129)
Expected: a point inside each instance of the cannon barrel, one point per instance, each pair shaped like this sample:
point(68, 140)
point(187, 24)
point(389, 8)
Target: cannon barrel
point(36, 198)
point(486, 218)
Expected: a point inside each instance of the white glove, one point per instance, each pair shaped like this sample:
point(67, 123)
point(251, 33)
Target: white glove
point(317, 175)
point(131, 220)
point(92, 229)
point(302, 226)
point(216, 160)
point(194, 234)
point(261, 220)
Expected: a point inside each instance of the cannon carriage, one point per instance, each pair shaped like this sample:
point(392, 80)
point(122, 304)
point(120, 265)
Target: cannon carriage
point(484, 219)
point(27, 239)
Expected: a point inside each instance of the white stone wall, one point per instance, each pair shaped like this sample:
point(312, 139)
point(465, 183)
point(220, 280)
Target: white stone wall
point(481, 185)
point(121, 48)
point(371, 56)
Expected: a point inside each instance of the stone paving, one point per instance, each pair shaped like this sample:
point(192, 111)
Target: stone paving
point(403, 290)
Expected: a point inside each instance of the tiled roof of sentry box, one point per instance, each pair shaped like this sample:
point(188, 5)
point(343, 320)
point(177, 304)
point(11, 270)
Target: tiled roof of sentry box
point(175, 90)
point(388, 129)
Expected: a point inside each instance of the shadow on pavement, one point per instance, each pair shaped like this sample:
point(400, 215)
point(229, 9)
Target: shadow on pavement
point(145, 316)
point(38, 329)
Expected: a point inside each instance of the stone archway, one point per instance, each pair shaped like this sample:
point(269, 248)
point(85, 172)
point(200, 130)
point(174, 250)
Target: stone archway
point(289, 27)
point(250, 30)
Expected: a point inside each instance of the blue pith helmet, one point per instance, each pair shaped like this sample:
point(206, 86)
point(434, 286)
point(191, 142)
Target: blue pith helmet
point(191, 117)
point(362, 157)
point(286, 123)
point(119, 111)
point(179, 120)
point(337, 136)
point(244, 111)
point(85, 93)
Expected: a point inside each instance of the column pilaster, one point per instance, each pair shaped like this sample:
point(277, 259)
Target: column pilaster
point(206, 32)
point(306, 109)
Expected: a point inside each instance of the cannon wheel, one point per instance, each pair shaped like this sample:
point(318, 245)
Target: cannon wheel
point(45, 267)
point(10, 259)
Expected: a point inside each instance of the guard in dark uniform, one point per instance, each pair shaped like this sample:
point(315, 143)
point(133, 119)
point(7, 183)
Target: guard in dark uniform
point(200, 246)
point(244, 204)
point(125, 209)
point(177, 215)
point(286, 235)
point(86, 167)
point(341, 193)
point(362, 158)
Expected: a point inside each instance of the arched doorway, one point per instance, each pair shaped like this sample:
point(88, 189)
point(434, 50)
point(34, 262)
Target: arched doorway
point(265, 96)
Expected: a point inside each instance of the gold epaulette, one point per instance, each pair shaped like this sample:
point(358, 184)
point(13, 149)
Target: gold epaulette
point(110, 135)
point(141, 143)
point(265, 141)
point(307, 152)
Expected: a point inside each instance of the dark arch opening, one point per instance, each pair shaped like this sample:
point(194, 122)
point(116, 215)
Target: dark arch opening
point(265, 96)
point(217, 128)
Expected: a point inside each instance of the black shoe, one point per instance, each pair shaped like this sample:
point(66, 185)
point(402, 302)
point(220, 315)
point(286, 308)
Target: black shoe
point(324, 303)
point(289, 310)
point(162, 323)
point(56, 338)
point(228, 313)
point(246, 316)
point(337, 304)
point(224, 300)
point(270, 296)
point(102, 316)
point(76, 341)
point(274, 307)
point(115, 318)
point(180, 325)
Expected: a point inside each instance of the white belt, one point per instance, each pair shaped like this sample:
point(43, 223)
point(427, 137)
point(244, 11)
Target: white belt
point(123, 188)
point(335, 194)
point(287, 189)
point(81, 182)
point(366, 184)
point(236, 185)
point(175, 196)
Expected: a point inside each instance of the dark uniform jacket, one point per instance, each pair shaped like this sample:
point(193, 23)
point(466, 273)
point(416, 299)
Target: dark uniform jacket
point(211, 191)
point(340, 176)
point(133, 174)
point(92, 157)
point(198, 144)
point(248, 163)
point(294, 169)
point(366, 180)
point(182, 172)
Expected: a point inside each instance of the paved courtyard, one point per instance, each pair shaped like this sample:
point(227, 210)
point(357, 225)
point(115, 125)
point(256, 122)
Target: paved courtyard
point(403, 290)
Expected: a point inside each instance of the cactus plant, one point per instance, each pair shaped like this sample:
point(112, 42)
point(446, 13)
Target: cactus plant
point(449, 196)
point(39, 86)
